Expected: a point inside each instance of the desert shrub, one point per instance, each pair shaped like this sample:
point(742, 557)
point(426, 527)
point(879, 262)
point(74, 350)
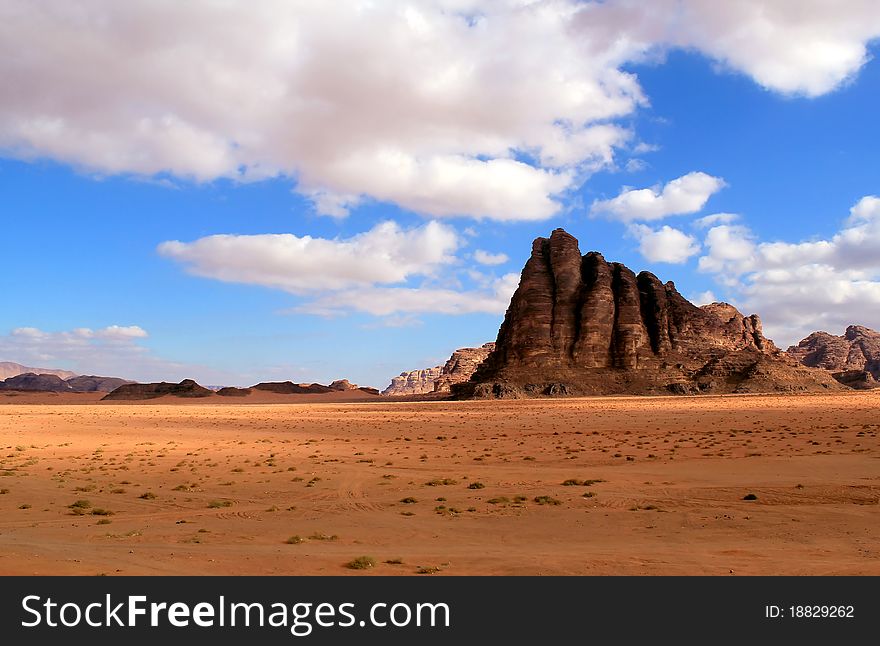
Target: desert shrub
point(361, 563)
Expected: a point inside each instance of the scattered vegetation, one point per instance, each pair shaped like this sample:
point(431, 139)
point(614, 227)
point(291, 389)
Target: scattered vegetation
point(750, 496)
point(441, 482)
point(547, 500)
point(409, 500)
point(362, 563)
point(149, 495)
point(476, 485)
point(295, 540)
point(217, 504)
point(574, 482)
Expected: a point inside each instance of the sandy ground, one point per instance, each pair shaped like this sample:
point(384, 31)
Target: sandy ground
point(444, 487)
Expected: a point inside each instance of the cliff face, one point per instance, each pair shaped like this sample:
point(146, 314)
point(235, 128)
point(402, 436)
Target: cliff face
point(853, 359)
point(460, 366)
point(414, 382)
point(581, 325)
point(440, 379)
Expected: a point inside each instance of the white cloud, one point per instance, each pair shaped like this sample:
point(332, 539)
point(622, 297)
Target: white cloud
point(635, 165)
point(426, 104)
point(365, 273)
point(687, 194)
point(422, 104)
point(716, 218)
point(665, 244)
point(866, 209)
point(802, 287)
point(387, 301)
point(704, 298)
point(805, 47)
point(486, 258)
point(384, 254)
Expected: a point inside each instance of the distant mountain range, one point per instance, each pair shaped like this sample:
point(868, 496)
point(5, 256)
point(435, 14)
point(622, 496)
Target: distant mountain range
point(9, 369)
point(48, 382)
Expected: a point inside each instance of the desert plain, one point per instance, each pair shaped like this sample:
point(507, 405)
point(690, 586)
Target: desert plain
point(610, 485)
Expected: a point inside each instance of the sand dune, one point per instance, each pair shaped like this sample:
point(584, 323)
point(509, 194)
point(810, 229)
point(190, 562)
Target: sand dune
point(574, 486)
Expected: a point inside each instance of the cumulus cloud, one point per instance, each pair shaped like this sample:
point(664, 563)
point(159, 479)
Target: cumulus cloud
point(387, 301)
point(366, 273)
point(424, 104)
point(665, 244)
point(486, 258)
point(802, 287)
point(384, 254)
point(708, 221)
point(801, 47)
point(687, 194)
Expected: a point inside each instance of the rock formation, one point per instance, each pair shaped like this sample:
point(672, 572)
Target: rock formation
point(96, 384)
point(580, 325)
point(231, 391)
point(54, 384)
point(853, 359)
point(414, 382)
point(440, 379)
point(290, 388)
point(186, 388)
point(342, 384)
point(33, 382)
point(460, 366)
point(9, 369)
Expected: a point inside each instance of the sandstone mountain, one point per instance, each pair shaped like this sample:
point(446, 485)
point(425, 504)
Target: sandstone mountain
point(342, 385)
point(186, 388)
point(460, 366)
point(232, 391)
point(580, 325)
point(9, 369)
point(414, 382)
point(440, 379)
point(33, 382)
point(55, 384)
point(290, 388)
point(853, 359)
point(96, 384)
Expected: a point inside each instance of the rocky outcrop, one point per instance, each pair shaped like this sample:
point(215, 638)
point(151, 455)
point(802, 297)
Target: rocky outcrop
point(460, 366)
point(578, 324)
point(186, 388)
point(853, 359)
point(342, 385)
point(96, 384)
point(9, 369)
point(231, 391)
point(440, 379)
point(290, 388)
point(414, 382)
point(33, 382)
point(54, 384)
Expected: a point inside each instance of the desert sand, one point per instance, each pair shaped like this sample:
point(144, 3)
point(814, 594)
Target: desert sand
point(628, 485)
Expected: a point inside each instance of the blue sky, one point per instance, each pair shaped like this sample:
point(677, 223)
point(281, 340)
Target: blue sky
point(95, 176)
